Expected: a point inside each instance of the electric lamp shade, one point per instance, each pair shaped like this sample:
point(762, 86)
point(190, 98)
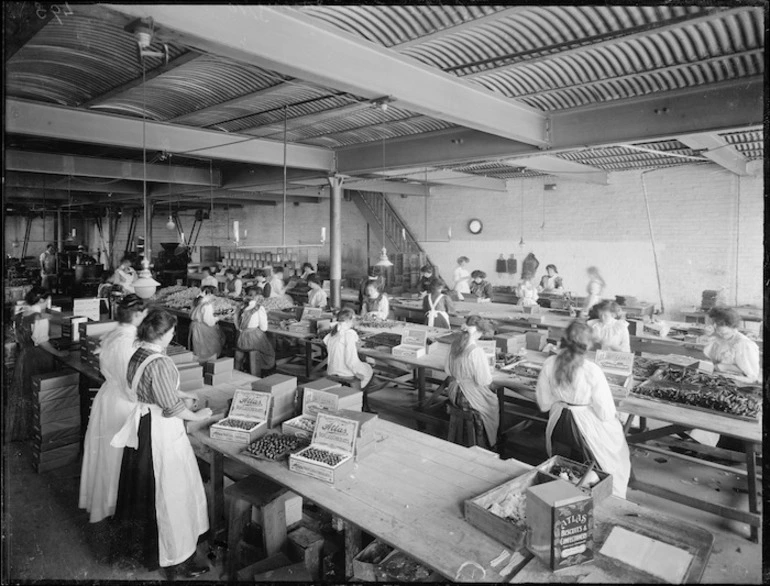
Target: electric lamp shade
point(145, 285)
point(170, 224)
point(384, 260)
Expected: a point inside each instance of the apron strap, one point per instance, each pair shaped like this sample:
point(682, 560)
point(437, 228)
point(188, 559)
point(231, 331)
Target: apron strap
point(128, 436)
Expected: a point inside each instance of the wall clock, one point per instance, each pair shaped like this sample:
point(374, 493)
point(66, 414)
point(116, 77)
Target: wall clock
point(475, 226)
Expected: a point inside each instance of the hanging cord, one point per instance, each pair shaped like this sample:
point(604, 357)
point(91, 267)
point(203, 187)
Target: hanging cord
point(144, 155)
point(737, 179)
point(283, 226)
point(211, 195)
point(652, 239)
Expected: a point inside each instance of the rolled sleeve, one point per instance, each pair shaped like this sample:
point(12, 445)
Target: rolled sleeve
point(40, 331)
point(164, 378)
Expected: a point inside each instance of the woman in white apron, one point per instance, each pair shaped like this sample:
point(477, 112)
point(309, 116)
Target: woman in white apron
point(437, 306)
point(251, 325)
point(113, 404)
point(161, 506)
point(583, 424)
point(469, 366)
point(206, 338)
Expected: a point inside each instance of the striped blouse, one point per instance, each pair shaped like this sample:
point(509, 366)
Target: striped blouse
point(159, 382)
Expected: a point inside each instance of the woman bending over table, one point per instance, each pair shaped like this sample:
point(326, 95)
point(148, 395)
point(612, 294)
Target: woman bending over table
point(206, 337)
point(437, 306)
point(467, 363)
point(251, 324)
point(583, 423)
point(161, 506)
point(375, 304)
point(610, 331)
point(729, 350)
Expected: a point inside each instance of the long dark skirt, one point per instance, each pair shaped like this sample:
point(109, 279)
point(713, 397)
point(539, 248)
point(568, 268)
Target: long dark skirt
point(135, 522)
point(567, 441)
point(478, 424)
point(30, 361)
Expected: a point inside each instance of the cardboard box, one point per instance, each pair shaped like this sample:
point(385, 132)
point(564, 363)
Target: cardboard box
point(51, 380)
point(407, 351)
point(334, 435)
point(95, 329)
point(560, 522)
point(511, 342)
point(190, 371)
point(249, 406)
point(56, 458)
point(507, 531)
point(367, 563)
point(536, 341)
point(399, 567)
point(218, 379)
point(300, 426)
point(56, 393)
point(599, 491)
point(679, 360)
point(413, 344)
point(182, 357)
point(72, 399)
point(283, 389)
point(366, 443)
point(218, 366)
point(45, 417)
point(618, 367)
point(191, 385)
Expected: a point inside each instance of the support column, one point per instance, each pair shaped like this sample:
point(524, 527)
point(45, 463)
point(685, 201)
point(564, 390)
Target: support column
point(59, 230)
point(335, 241)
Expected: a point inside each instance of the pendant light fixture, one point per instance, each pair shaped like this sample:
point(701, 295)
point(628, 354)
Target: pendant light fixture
point(384, 260)
point(170, 225)
point(145, 286)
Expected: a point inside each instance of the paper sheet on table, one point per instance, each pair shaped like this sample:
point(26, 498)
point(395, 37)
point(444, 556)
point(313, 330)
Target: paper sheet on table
point(660, 559)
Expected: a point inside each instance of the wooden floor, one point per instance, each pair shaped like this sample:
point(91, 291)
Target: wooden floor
point(45, 534)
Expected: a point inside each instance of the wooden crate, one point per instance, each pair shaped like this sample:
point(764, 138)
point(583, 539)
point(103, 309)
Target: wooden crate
point(600, 491)
point(507, 532)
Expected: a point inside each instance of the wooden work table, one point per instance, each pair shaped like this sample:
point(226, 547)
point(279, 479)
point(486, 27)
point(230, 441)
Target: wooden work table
point(409, 493)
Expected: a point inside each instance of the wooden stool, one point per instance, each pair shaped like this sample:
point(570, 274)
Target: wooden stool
point(254, 368)
point(269, 499)
point(461, 428)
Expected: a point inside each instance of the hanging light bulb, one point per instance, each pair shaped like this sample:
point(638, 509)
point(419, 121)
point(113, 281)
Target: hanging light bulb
point(384, 260)
point(170, 224)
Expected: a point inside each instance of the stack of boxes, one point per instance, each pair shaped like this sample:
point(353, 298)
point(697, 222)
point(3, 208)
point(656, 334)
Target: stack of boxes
point(190, 372)
point(91, 334)
point(70, 327)
point(321, 395)
point(218, 371)
point(56, 420)
point(283, 390)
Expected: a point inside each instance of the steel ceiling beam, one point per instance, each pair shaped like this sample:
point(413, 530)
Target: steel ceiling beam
point(57, 122)
point(49, 163)
point(553, 165)
point(717, 150)
point(137, 81)
point(283, 40)
point(41, 181)
point(721, 107)
point(448, 177)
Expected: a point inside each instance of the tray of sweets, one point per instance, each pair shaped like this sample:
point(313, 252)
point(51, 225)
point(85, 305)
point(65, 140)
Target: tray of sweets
point(275, 446)
point(744, 404)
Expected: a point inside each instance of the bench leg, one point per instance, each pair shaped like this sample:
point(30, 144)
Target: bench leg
point(751, 469)
point(352, 546)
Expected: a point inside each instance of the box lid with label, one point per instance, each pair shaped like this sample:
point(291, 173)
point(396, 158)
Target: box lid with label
point(335, 433)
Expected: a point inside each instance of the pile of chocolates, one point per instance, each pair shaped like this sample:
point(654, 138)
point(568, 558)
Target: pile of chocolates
point(275, 446)
point(323, 456)
point(238, 423)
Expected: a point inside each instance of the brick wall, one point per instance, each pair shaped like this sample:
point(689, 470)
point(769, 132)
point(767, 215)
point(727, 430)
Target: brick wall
point(699, 239)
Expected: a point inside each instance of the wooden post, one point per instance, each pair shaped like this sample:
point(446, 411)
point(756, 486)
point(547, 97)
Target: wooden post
point(352, 546)
point(335, 242)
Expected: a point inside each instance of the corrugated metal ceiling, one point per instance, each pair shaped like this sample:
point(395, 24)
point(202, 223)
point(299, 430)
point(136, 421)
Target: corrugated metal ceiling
point(548, 57)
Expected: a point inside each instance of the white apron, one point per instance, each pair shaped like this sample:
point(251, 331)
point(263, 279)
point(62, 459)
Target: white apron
point(433, 312)
point(605, 439)
point(180, 500)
